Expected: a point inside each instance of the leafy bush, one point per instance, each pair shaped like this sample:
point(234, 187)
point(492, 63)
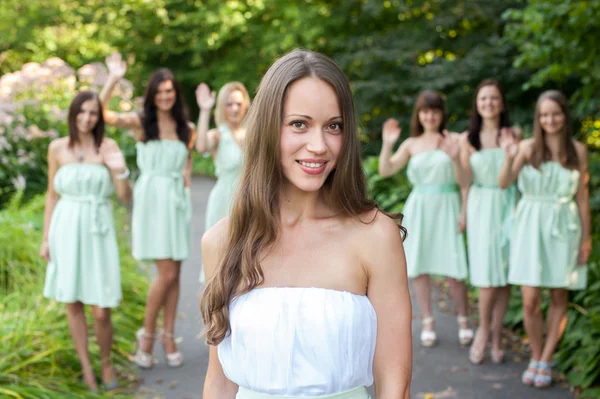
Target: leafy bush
point(33, 110)
point(578, 354)
point(38, 359)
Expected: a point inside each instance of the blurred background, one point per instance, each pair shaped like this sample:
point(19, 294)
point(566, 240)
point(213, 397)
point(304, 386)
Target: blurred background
point(389, 49)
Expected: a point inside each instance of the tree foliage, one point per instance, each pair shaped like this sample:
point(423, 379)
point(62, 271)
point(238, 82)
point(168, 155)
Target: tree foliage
point(558, 39)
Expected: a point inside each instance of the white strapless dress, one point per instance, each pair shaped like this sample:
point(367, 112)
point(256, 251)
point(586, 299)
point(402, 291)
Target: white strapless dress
point(300, 341)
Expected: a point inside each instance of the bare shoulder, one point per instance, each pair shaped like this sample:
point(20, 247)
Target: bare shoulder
point(407, 143)
point(214, 243)
point(213, 133)
point(58, 145)
point(375, 230)
point(377, 242)
point(580, 148)
point(107, 141)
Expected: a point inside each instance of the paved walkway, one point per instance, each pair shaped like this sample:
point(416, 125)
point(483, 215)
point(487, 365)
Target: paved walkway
point(441, 372)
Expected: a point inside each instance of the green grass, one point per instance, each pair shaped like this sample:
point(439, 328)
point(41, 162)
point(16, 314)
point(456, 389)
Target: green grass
point(37, 357)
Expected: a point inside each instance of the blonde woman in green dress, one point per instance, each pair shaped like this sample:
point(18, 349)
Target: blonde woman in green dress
point(161, 202)
point(489, 211)
point(550, 240)
point(435, 244)
point(80, 243)
point(225, 143)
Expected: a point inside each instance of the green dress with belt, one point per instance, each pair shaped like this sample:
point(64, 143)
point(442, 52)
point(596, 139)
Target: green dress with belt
point(84, 257)
point(434, 244)
point(161, 204)
point(489, 214)
point(546, 232)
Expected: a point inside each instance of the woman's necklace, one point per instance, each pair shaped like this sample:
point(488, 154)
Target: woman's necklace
point(79, 155)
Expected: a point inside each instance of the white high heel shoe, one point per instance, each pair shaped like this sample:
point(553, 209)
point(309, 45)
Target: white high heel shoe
point(465, 335)
point(428, 337)
point(143, 359)
point(174, 359)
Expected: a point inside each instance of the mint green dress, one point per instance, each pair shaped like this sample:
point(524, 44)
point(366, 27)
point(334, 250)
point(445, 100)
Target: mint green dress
point(546, 231)
point(228, 165)
point(162, 206)
point(84, 257)
point(434, 245)
point(489, 214)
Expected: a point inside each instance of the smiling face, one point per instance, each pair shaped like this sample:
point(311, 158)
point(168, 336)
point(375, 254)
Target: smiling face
point(87, 117)
point(311, 133)
point(489, 102)
point(551, 117)
point(165, 96)
point(235, 108)
point(430, 119)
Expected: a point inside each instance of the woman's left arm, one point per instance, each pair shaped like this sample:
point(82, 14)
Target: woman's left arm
point(451, 145)
point(115, 161)
point(187, 169)
point(583, 203)
point(388, 292)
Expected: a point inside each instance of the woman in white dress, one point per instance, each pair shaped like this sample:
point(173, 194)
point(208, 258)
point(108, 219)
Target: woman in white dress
point(306, 275)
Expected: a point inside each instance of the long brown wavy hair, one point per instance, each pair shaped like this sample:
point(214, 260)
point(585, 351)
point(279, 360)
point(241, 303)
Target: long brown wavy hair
point(253, 224)
point(476, 120)
point(541, 153)
point(75, 109)
point(428, 99)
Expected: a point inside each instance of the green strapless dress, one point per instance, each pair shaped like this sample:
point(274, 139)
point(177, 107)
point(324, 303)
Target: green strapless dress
point(162, 206)
point(434, 245)
point(546, 231)
point(228, 165)
point(84, 257)
point(489, 214)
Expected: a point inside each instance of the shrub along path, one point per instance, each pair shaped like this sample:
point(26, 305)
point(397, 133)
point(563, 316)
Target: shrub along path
point(440, 372)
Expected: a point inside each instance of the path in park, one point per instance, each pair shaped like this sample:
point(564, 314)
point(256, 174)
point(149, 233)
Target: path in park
point(441, 372)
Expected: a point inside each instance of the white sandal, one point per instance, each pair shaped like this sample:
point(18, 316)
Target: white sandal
point(465, 335)
point(428, 337)
point(174, 359)
point(143, 359)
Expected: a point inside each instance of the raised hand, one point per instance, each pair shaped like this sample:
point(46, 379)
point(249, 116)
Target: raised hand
point(508, 141)
point(204, 97)
point(391, 131)
point(450, 144)
point(116, 66)
point(112, 157)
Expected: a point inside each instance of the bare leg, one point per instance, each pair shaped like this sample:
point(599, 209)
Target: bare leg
point(487, 299)
point(422, 286)
point(170, 309)
point(500, 304)
point(458, 292)
point(556, 322)
point(533, 319)
point(167, 273)
point(104, 336)
point(78, 329)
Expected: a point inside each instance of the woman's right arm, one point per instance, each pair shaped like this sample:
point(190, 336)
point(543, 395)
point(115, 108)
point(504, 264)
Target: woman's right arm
point(216, 384)
point(124, 120)
point(207, 140)
point(390, 164)
point(515, 156)
point(51, 196)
